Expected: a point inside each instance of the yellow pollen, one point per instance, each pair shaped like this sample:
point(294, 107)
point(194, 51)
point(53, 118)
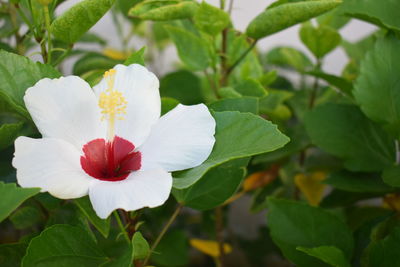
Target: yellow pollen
point(112, 103)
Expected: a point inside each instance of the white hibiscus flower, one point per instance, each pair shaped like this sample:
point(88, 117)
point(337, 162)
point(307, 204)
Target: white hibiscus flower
point(110, 142)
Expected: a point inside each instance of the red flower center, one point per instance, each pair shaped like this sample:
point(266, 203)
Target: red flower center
point(110, 161)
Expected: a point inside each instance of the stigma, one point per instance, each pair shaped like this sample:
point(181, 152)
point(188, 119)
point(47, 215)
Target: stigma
point(112, 104)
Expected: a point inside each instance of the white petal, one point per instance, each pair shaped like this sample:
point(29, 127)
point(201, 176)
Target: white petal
point(51, 164)
point(140, 89)
point(141, 189)
point(65, 108)
point(183, 138)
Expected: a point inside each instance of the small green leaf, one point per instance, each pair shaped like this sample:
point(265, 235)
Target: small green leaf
point(374, 12)
point(136, 58)
point(63, 245)
point(391, 175)
point(159, 10)
point(343, 131)
point(8, 133)
point(86, 208)
point(192, 49)
point(168, 104)
point(140, 246)
point(93, 62)
point(340, 83)
point(13, 196)
point(295, 224)
point(215, 187)
point(385, 252)
point(278, 18)
point(319, 40)
point(288, 57)
point(77, 20)
point(251, 87)
point(241, 104)
point(25, 217)
point(380, 69)
point(210, 19)
point(183, 86)
point(251, 135)
point(228, 92)
point(329, 254)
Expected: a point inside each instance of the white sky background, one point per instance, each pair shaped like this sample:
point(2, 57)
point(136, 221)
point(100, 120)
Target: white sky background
point(243, 12)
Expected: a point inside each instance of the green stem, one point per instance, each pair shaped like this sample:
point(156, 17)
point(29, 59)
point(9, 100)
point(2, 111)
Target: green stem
point(48, 29)
point(315, 86)
point(63, 56)
point(162, 233)
point(121, 226)
point(248, 50)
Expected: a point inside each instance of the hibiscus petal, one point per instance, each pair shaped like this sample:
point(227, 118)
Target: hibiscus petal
point(183, 138)
point(141, 189)
point(65, 108)
point(140, 89)
point(51, 164)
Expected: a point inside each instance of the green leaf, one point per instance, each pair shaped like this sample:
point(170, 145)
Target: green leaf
point(250, 134)
point(173, 250)
point(284, 16)
point(93, 61)
point(18, 73)
point(377, 89)
point(84, 205)
point(241, 104)
point(295, 224)
point(192, 49)
point(335, 19)
point(140, 246)
point(251, 87)
point(340, 83)
point(329, 254)
point(215, 187)
point(357, 182)
point(374, 12)
point(391, 175)
point(168, 104)
point(319, 40)
point(77, 20)
point(13, 196)
point(8, 133)
point(183, 86)
point(210, 19)
point(63, 245)
point(26, 217)
point(11, 254)
point(228, 92)
point(343, 131)
point(159, 10)
point(384, 253)
point(136, 58)
point(288, 57)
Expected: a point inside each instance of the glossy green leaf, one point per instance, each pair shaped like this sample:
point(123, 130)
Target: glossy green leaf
point(192, 49)
point(377, 89)
point(8, 133)
point(241, 104)
point(77, 20)
point(183, 86)
point(357, 182)
point(63, 245)
point(391, 175)
point(251, 87)
point(278, 18)
point(251, 135)
point(210, 19)
point(140, 246)
point(93, 62)
point(215, 187)
point(136, 57)
point(228, 92)
point(343, 131)
point(335, 19)
point(295, 224)
point(84, 205)
point(384, 252)
point(319, 40)
point(329, 254)
point(13, 196)
point(288, 57)
point(18, 73)
point(160, 10)
point(383, 15)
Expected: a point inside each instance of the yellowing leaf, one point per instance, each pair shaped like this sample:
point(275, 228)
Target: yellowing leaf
point(260, 179)
point(311, 186)
point(115, 54)
point(209, 247)
point(392, 201)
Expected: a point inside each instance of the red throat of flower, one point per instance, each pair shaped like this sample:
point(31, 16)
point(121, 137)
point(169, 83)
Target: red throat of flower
point(110, 160)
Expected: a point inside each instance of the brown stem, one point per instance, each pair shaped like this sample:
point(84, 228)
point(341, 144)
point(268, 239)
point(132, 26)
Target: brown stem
point(315, 86)
point(219, 231)
point(224, 66)
point(212, 84)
